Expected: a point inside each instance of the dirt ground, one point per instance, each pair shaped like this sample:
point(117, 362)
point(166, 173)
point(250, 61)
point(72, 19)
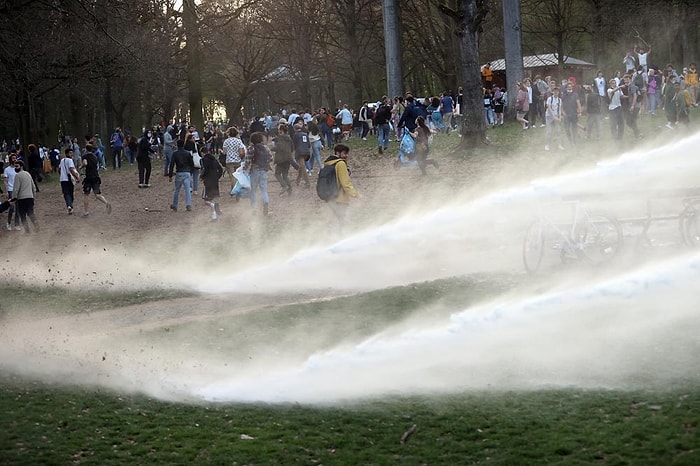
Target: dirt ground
point(384, 191)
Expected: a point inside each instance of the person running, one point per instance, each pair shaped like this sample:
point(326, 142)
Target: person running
point(92, 181)
point(211, 172)
point(346, 190)
point(68, 176)
point(258, 162)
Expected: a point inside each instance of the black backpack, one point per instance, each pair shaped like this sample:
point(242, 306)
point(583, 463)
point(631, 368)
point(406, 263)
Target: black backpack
point(327, 184)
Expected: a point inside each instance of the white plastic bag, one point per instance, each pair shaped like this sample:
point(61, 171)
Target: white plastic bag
point(242, 176)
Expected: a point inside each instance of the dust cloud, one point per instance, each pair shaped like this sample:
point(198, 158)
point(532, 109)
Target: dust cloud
point(621, 327)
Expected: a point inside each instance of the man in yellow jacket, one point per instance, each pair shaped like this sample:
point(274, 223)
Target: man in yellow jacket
point(346, 190)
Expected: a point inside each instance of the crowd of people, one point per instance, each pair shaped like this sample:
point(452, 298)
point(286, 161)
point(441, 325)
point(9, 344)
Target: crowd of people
point(295, 139)
point(570, 110)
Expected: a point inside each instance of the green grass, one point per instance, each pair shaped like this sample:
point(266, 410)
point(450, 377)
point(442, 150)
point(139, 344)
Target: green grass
point(51, 425)
point(16, 298)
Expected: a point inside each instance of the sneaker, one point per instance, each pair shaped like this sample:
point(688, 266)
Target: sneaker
point(669, 126)
point(147, 185)
point(109, 208)
point(141, 185)
point(189, 208)
point(546, 147)
point(86, 214)
point(364, 139)
point(381, 151)
point(18, 228)
point(70, 210)
point(195, 192)
point(9, 227)
point(561, 147)
point(173, 208)
point(542, 125)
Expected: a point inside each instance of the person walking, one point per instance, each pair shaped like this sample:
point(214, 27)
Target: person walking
point(68, 176)
point(181, 166)
point(92, 182)
point(8, 176)
point(23, 194)
point(143, 159)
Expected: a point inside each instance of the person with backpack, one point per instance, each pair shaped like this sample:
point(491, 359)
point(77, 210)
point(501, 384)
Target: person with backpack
point(116, 142)
point(334, 185)
point(552, 116)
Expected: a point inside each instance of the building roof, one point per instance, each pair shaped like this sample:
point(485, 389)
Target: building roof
point(543, 59)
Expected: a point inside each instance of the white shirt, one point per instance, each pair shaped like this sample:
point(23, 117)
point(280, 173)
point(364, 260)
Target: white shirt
point(614, 99)
point(65, 166)
point(600, 84)
point(9, 175)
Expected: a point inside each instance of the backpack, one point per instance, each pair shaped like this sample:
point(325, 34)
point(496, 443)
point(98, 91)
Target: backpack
point(638, 80)
point(327, 184)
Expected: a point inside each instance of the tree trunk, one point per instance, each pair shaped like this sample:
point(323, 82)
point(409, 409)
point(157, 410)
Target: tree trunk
point(392, 44)
point(512, 31)
point(471, 14)
point(194, 76)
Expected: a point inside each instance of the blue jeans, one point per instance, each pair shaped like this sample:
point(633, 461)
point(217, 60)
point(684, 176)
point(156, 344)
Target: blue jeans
point(168, 153)
point(258, 178)
point(384, 131)
point(327, 135)
point(195, 179)
point(315, 155)
point(182, 179)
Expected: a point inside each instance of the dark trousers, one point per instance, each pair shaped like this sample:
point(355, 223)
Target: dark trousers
point(144, 169)
point(11, 210)
point(282, 175)
point(68, 190)
point(25, 208)
point(117, 153)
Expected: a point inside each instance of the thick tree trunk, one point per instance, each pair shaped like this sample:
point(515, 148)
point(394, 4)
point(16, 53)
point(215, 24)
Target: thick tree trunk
point(471, 15)
point(392, 44)
point(512, 31)
point(194, 76)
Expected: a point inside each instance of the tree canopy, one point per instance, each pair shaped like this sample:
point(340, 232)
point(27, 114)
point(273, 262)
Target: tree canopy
point(85, 66)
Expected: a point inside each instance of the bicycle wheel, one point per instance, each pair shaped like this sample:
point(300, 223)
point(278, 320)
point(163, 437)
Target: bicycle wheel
point(689, 225)
point(599, 238)
point(533, 247)
point(691, 230)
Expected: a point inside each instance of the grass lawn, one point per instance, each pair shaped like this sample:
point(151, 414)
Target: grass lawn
point(49, 424)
